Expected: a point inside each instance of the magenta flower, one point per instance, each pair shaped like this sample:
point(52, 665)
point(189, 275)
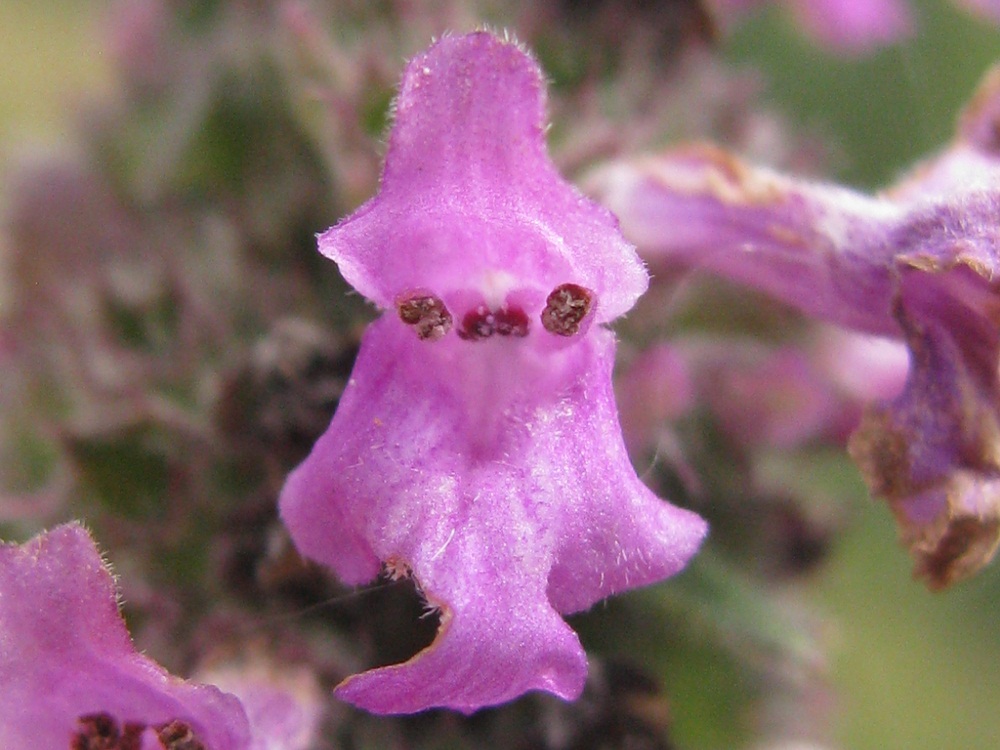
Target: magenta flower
point(477, 446)
point(69, 675)
point(920, 262)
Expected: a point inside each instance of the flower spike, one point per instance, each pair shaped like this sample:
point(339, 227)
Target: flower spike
point(477, 445)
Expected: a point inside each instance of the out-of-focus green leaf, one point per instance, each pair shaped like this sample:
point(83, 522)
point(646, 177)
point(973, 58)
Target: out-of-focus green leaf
point(125, 473)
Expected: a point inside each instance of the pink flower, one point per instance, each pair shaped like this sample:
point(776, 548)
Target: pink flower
point(919, 263)
point(477, 446)
point(69, 675)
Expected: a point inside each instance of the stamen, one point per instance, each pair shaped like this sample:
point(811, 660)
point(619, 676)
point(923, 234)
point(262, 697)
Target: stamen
point(481, 323)
point(177, 735)
point(131, 736)
point(101, 731)
point(565, 309)
point(477, 324)
point(511, 322)
point(427, 314)
point(95, 732)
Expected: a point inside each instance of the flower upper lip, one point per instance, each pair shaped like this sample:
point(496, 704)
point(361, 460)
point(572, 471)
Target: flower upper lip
point(470, 199)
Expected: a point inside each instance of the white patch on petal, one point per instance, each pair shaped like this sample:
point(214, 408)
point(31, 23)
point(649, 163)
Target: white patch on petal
point(495, 286)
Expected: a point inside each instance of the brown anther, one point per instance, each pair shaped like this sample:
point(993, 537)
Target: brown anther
point(178, 735)
point(102, 732)
point(427, 314)
point(511, 322)
point(482, 323)
point(477, 324)
point(131, 736)
point(95, 732)
point(565, 309)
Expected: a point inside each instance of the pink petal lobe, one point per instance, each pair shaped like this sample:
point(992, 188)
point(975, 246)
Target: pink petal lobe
point(469, 198)
point(932, 452)
point(65, 654)
point(498, 476)
point(496, 641)
point(798, 241)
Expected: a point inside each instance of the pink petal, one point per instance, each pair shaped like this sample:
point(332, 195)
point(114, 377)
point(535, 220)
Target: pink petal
point(65, 654)
point(498, 476)
point(469, 197)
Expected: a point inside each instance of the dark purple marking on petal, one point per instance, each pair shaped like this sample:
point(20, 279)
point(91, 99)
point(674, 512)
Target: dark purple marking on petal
point(177, 735)
point(566, 308)
point(426, 313)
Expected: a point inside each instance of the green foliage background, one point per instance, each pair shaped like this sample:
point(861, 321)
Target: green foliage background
point(912, 669)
